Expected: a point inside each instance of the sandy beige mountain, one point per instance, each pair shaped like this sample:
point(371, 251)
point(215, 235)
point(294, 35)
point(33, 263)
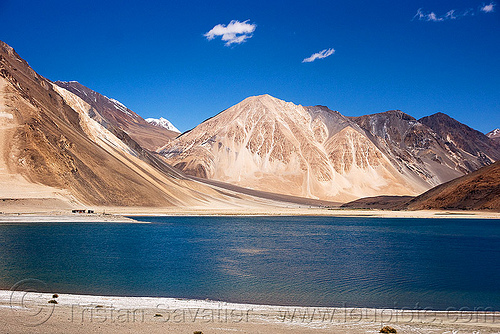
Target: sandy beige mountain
point(268, 144)
point(272, 145)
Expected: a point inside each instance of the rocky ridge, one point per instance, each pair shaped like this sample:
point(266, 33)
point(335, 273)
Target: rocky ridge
point(111, 113)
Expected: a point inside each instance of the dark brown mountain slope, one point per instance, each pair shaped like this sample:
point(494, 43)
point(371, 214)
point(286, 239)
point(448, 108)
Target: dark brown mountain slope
point(463, 137)
point(378, 203)
point(111, 113)
point(414, 146)
point(479, 190)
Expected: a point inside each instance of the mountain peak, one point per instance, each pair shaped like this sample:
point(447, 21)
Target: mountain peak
point(390, 114)
point(398, 113)
point(440, 120)
point(9, 50)
point(162, 122)
point(462, 136)
point(264, 98)
point(440, 115)
point(494, 133)
point(95, 99)
point(258, 104)
point(6, 48)
point(58, 152)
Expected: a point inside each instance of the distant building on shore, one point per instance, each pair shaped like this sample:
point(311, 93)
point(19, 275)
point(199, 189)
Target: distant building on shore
point(82, 211)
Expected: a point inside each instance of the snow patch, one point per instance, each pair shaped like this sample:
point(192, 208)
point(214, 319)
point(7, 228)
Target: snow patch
point(66, 82)
point(120, 106)
point(162, 122)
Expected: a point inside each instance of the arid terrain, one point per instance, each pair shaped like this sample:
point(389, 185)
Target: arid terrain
point(65, 146)
point(56, 156)
point(271, 145)
point(112, 114)
point(479, 190)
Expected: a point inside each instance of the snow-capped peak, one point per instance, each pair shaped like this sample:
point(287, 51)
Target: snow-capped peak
point(493, 134)
point(162, 122)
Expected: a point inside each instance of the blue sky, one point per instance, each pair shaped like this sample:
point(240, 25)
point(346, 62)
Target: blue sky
point(157, 58)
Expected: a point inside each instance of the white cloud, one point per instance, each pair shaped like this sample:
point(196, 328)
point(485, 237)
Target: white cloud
point(488, 8)
point(319, 55)
point(235, 32)
point(432, 17)
point(421, 16)
point(452, 14)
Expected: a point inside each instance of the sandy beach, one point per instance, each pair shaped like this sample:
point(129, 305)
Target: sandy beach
point(305, 211)
point(32, 313)
point(61, 217)
point(125, 215)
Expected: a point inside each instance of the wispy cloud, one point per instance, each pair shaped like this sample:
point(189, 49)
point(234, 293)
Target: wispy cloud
point(488, 8)
point(319, 55)
point(235, 32)
point(421, 16)
point(452, 14)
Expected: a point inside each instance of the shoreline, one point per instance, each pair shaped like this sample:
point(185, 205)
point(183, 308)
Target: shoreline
point(24, 312)
point(59, 217)
point(329, 213)
point(126, 215)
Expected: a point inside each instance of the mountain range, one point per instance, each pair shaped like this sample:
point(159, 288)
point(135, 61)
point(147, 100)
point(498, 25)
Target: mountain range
point(271, 145)
point(58, 148)
point(66, 142)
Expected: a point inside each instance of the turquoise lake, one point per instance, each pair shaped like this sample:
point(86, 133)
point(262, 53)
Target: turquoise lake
point(303, 261)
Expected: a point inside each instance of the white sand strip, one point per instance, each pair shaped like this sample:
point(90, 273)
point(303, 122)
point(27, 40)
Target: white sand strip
point(87, 309)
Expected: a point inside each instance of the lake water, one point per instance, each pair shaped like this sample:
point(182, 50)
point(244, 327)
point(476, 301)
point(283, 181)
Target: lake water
point(304, 261)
